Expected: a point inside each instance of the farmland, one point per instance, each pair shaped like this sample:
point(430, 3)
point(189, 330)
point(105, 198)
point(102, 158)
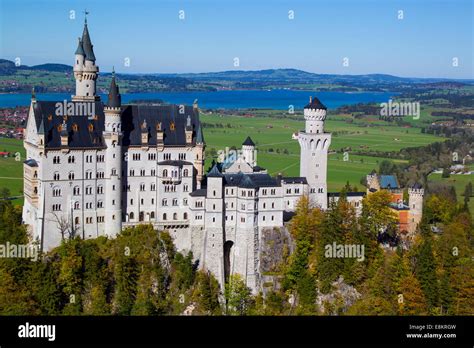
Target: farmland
point(279, 153)
point(459, 181)
point(276, 150)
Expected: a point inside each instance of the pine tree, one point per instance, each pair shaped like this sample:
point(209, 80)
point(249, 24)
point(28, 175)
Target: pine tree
point(425, 271)
point(238, 296)
point(125, 288)
point(206, 293)
point(412, 300)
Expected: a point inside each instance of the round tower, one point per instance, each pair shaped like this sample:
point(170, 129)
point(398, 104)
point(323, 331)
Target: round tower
point(113, 159)
point(85, 69)
point(415, 202)
point(314, 144)
point(248, 151)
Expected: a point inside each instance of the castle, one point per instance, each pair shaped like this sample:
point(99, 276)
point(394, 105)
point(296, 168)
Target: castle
point(94, 168)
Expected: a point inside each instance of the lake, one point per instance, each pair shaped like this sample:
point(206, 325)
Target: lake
point(279, 99)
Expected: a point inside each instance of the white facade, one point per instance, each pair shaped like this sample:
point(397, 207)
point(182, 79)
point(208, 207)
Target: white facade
point(98, 188)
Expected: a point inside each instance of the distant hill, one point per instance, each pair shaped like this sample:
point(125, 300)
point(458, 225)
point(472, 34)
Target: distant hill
point(7, 67)
point(59, 79)
point(295, 75)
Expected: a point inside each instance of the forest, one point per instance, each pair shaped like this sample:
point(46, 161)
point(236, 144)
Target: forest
point(141, 273)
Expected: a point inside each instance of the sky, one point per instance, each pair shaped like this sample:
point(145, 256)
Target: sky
point(410, 38)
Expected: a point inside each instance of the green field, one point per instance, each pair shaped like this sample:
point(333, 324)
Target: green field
point(459, 182)
point(277, 151)
point(271, 133)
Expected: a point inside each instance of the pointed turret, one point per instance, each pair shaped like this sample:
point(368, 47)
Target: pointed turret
point(87, 44)
point(80, 49)
point(199, 136)
point(85, 69)
point(41, 127)
point(115, 100)
point(248, 142)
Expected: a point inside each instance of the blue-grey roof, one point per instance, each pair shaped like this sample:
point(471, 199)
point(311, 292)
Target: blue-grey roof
point(199, 193)
point(114, 100)
point(87, 44)
point(173, 124)
point(214, 172)
point(31, 162)
point(199, 135)
point(249, 180)
point(398, 206)
point(177, 163)
point(388, 182)
point(248, 142)
point(294, 180)
point(89, 131)
point(348, 194)
point(80, 49)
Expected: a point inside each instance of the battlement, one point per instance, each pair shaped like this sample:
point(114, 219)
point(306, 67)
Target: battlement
point(315, 114)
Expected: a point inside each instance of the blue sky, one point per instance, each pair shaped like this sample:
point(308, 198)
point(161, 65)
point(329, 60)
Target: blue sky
point(258, 32)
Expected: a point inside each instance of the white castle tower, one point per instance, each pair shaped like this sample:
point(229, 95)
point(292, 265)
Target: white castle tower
point(214, 222)
point(314, 143)
point(113, 172)
point(85, 70)
point(248, 151)
point(415, 202)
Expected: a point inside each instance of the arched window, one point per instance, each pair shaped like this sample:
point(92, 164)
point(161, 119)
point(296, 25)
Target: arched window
point(185, 172)
point(164, 216)
point(132, 216)
point(175, 216)
point(152, 215)
point(76, 220)
point(56, 176)
point(165, 173)
point(76, 205)
point(71, 176)
point(185, 216)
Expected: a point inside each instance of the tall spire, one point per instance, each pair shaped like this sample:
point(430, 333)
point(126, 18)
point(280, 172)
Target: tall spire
point(80, 49)
point(199, 137)
point(115, 100)
point(86, 41)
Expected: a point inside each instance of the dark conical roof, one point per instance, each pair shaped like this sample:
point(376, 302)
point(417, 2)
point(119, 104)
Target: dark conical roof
point(199, 136)
point(417, 186)
point(115, 100)
point(41, 127)
point(87, 44)
point(315, 103)
point(80, 49)
point(214, 172)
point(248, 142)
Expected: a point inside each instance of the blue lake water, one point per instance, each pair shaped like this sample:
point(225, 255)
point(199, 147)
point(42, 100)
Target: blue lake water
point(279, 99)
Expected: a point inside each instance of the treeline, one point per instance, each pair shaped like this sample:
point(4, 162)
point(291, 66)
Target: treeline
point(140, 272)
point(433, 277)
point(137, 273)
